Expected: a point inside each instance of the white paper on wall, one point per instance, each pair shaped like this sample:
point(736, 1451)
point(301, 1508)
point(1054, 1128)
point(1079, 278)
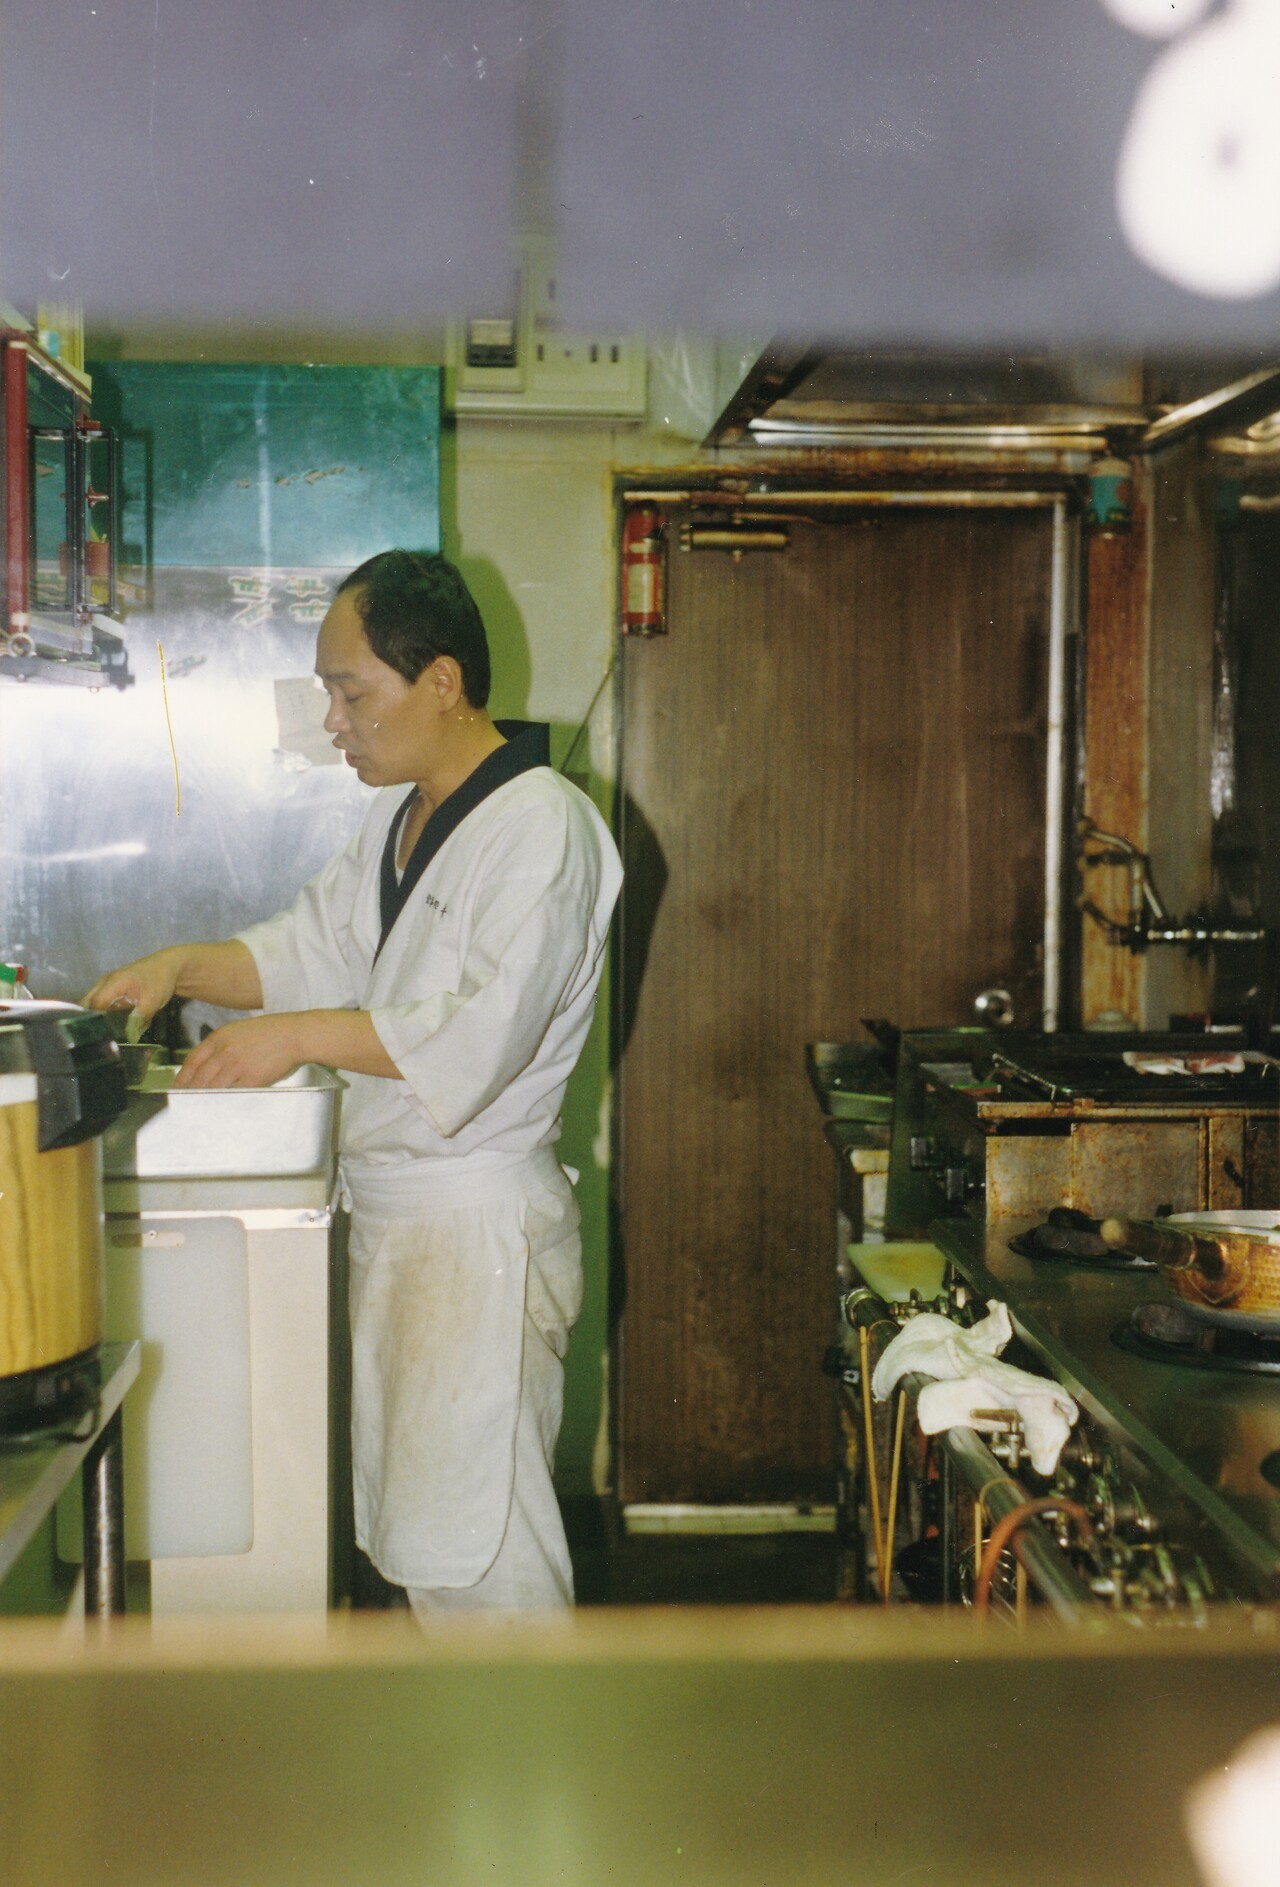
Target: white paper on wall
point(301, 705)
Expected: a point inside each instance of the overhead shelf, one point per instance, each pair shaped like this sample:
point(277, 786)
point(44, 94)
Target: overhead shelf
point(106, 667)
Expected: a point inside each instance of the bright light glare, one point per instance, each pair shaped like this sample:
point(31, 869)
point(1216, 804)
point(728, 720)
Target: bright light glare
point(124, 848)
point(1199, 172)
point(1158, 19)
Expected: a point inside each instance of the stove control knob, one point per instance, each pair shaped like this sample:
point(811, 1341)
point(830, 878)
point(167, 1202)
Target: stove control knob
point(995, 1008)
point(1099, 1500)
point(1081, 1453)
point(1131, 1517)
point(959, 1183)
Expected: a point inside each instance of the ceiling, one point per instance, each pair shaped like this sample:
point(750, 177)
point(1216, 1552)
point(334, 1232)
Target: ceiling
point(966, 177)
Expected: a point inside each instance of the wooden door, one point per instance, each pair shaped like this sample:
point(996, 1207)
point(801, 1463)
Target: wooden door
point(833, 782)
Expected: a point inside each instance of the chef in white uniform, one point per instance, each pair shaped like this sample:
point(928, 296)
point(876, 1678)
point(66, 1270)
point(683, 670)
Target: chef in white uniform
point(448, 962)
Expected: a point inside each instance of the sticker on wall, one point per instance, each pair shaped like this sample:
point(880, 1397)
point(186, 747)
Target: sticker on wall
point(301, 596)
point(252, 595)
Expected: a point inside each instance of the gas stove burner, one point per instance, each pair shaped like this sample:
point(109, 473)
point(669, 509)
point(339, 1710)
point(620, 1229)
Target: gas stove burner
point(1071, 1238)
point(1200, 1069)
point(1166, 1333)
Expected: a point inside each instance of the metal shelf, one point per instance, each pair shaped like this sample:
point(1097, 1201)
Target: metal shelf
point(74, 674)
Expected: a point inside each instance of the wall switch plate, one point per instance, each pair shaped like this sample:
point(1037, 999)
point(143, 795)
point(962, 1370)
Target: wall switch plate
point(523, 360)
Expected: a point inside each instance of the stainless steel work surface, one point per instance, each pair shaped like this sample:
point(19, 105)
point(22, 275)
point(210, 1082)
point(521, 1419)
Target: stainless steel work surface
point(1207, 1431)
point(798, 1745)
point(31, 1478)
point(171, 1133)
point(298, 1198)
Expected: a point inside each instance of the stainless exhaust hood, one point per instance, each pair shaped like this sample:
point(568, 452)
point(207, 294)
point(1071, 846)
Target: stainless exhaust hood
point(831, 397)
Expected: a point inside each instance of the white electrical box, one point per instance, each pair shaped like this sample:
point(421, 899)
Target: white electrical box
point(520, 358)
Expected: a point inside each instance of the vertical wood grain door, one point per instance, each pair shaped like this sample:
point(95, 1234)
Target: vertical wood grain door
point(833, 783)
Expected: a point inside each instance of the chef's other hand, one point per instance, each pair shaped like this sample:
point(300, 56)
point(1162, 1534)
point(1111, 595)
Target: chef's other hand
point(248, 1054)
point(145, 986)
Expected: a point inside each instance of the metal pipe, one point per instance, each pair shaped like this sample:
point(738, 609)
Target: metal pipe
point(113, 521)
point(949, 436)
point(1048, 1569)
point(1201, 934)
point(17, 493)
point(1050, 1572)
point(1055, 785)
point(102, 1485)
point(734, 539)
point(932, 498)
point(947, 1529)
point(79, 584)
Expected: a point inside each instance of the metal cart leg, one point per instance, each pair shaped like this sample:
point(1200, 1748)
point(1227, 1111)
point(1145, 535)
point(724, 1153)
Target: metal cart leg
point(947, 1528)
point(102, 1487)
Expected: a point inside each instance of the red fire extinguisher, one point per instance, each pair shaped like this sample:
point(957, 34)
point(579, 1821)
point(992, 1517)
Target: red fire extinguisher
point(644, 551)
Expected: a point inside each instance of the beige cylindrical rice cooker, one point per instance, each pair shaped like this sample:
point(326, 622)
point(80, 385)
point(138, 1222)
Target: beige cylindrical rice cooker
point(61, 1083)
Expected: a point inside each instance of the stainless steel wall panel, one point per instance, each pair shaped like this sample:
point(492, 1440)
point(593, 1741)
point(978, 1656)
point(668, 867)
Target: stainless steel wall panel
point(98, 863)
point(173, 809)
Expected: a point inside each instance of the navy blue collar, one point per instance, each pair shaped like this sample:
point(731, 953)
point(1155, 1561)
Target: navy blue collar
point(527, 744)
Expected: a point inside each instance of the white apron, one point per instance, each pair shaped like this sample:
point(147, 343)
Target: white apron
point(443, 1267)
point(461, 1215)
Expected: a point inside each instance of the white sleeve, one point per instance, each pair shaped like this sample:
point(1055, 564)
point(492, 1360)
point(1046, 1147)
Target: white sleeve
point(530, 942)
point(304, 955)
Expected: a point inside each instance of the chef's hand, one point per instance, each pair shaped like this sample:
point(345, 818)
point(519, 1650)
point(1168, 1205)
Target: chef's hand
point(145, 986)
point(248, 1054)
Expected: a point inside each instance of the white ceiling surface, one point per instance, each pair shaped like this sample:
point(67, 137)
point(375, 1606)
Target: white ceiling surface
point(930, 171)
point(348, 161)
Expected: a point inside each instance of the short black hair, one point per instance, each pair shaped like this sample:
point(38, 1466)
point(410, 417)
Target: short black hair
point(415, 606)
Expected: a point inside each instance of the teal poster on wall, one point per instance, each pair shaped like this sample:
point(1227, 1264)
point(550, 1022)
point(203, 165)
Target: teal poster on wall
point(273, 467)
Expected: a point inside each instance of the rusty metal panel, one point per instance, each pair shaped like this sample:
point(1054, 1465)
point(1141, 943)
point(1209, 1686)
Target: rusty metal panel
point(1204, 1162)
point(1132, 1169)
point(1115, 747)
point(1225, 1165)
point(1262, 1161)
point(1026, 1174)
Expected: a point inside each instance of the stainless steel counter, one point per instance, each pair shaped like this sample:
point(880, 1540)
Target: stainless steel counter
point(32, 1479)
point(682, 1748)
point(1198, 1437)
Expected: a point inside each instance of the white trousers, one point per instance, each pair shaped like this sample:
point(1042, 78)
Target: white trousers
point(532, 1571)
point(460, 1316)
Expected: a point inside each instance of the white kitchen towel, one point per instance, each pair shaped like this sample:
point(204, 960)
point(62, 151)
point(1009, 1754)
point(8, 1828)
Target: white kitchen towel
point(969, 1379)
point(937, 1347)
point(982, 1401)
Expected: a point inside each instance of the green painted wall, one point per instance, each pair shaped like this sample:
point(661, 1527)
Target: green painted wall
point(526, 513)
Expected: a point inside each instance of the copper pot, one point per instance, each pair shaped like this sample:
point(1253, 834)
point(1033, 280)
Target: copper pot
point(1225, 1265)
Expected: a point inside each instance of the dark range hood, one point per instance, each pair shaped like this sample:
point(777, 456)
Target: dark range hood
point(830, 397)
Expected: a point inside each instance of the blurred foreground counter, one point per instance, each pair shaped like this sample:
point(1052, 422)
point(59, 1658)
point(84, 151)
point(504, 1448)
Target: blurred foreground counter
point(637, 1747)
